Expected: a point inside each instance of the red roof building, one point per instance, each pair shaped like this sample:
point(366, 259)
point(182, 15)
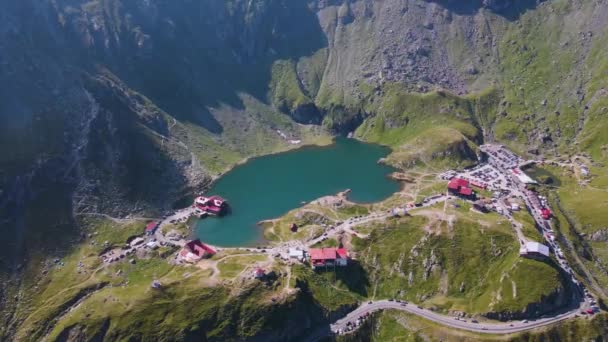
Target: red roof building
point(151, 227)
point(259, 273)
point(195, 250)
point(214, 205)
point(328, 257)
point(545, 213)
point(465, 191)
point(453, 186)
point(455, 183)
point(459, 186)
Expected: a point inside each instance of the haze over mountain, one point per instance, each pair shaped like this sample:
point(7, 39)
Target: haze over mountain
point(125, 107)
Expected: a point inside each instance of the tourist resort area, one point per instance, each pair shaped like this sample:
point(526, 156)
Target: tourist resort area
point(160, 234)
point(497, 185)
point(331, 239)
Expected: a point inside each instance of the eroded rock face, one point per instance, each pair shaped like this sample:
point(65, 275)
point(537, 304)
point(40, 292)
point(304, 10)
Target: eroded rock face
point(599, 236)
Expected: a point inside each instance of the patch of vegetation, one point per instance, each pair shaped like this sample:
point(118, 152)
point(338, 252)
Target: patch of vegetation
point(326, 287)
point(468, 265)
point(326, 243)
point(308, 219)
point(311, 70)
point(182, 228)
point(233, 266)
point(285, 91)
point(436, 128)
point(580, 214)
point(529, 225)
point(353, 210)
point(118, 302)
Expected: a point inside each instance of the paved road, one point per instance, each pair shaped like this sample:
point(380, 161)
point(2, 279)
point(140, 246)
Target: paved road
point(481, 327)
point(180, 215)
point(347, 226)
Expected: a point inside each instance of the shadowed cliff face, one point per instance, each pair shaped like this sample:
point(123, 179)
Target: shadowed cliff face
point(100, 90)
point(189, 55)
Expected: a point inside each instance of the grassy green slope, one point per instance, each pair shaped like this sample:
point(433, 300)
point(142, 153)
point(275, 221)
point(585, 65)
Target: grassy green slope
point(436, 128)
point(80, 298)
point(466, 267)
point(581, 218)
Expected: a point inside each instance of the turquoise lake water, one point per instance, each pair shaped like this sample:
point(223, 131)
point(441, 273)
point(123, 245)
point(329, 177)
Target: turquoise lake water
point(269, 186)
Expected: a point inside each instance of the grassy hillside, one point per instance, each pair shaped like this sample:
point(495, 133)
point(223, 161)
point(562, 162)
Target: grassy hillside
point(464, 266)
point(77, 297)
point(581, 218)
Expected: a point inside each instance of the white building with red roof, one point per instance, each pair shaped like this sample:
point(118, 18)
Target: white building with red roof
point(151, 227)
point(194, 251)
point(331, 256)
point(214, 205)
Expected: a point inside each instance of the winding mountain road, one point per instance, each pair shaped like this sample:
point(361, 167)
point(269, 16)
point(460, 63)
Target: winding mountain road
point(468, 325)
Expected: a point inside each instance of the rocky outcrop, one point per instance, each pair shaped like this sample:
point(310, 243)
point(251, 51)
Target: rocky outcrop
point(599, 236)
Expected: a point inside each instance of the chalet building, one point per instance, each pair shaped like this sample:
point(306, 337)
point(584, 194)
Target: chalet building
point(324, 257)
point(214, 205)
point(194, 251)
point(460, 187)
